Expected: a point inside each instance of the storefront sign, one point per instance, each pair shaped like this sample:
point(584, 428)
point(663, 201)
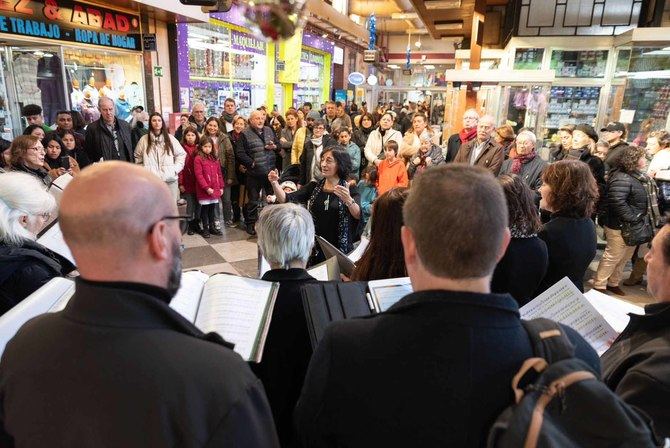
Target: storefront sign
point(341, 95)
point(246, 42)
point(312, 58)
point(356, 78)
point(70, 20)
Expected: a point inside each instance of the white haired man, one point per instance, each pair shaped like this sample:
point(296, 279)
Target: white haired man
point(526, 164)
point(483, 151)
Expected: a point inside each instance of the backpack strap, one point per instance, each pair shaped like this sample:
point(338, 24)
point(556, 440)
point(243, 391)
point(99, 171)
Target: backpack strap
point(549, 340)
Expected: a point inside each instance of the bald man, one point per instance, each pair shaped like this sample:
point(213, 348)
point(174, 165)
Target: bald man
point(109, 138)
point(119, 367)
point(483, 151)
point(256, 149)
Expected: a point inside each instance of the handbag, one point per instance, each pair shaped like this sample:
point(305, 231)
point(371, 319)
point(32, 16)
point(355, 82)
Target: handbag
point(636, 233)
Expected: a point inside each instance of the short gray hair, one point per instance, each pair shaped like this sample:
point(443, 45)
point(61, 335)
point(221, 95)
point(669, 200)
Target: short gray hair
point(103, 99)
point(21, 194)
point(529, 135)
point(285, 233)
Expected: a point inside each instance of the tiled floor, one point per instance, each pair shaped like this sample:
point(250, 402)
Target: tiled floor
point(236, 252)
point(233, 252)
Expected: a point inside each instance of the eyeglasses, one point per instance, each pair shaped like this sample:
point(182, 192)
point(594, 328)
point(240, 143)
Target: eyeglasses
point(45, 216)
point(183, 222)
point(36, 148)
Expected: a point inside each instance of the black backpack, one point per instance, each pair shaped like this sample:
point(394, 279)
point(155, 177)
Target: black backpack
point(560, 402)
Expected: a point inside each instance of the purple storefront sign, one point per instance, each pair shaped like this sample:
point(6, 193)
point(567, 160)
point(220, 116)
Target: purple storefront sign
point(246, 42)
point(318, 42)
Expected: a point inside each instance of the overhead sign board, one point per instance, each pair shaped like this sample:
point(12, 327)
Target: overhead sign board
point(356, 78)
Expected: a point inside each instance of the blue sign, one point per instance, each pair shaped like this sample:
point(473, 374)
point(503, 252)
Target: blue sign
point(356, 78)
point(341, 95)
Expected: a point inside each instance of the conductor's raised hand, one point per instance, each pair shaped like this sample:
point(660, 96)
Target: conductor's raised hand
point(273, 176)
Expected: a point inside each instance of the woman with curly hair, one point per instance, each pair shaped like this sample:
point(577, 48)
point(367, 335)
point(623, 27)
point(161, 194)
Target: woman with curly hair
point(524, 264)
point(569, 192)
point(628, 202)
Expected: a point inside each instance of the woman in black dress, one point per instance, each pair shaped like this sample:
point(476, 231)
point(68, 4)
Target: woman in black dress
point(333, 204)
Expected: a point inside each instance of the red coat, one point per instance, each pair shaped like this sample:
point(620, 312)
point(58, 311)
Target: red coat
point(207, 175)
point(187, 175)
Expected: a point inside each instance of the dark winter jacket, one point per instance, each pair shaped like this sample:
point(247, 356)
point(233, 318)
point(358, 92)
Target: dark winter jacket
point(99, 142)
point(250, 151)
point(521, 269)
point(571, 246)
point(432, 371)
point(130, 372)
point(637, 365)
point(626, 199)
point(531, 172)
point(26, 268)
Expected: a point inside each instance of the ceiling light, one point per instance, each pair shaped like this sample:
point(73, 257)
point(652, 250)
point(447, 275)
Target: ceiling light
point(449, 25)
point(324, 35)
point(429, 67)
point(393, 66)
point(442, 4)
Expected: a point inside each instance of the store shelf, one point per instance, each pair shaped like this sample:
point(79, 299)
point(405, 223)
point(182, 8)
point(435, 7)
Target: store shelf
point(572, 105)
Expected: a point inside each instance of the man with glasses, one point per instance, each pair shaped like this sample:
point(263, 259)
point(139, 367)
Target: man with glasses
point(483, 151)
point(118, 360)
point(109, 138)
point(467, 134)
point(198, 117)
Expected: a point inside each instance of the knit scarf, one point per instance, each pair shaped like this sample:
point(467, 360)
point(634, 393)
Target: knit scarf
point(519, 161)
point(228, 117)
point(317, 142)
point(343, 243)
point(467, 134)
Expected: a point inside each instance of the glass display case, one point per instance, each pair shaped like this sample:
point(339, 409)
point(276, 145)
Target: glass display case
point(579, 64)
point(310, 85)
point(528, 58)
point(572, 105)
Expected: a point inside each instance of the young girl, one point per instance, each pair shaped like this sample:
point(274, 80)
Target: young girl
point(209, 184)
point(368, 191)
point(190, 140)
point(224, 151)
point(392, 171)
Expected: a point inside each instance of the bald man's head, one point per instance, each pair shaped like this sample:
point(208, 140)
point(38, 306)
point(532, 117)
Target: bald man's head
point(112, 205)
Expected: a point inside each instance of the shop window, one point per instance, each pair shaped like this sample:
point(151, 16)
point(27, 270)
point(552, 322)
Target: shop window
point(528, 58)
point(93, 74)
point(579, 64)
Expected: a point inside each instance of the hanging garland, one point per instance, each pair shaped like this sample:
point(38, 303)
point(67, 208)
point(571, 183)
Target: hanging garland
point(372, 29)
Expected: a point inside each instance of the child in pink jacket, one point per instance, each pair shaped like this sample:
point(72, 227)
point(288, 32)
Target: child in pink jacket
point(209, 184)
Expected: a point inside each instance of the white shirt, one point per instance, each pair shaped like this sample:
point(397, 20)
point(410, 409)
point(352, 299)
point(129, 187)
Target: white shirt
point(476, 151)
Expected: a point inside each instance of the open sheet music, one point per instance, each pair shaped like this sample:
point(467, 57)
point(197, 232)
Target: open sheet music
point(385, 293)
point(50, 298)
point(564, 303)
point(238, 308)
point(58, 185)
point(52, 238)
point(615, 311)
point(345, 263)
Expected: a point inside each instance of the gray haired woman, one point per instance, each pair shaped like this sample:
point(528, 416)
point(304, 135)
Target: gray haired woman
point(285, 237)
point(25, 265)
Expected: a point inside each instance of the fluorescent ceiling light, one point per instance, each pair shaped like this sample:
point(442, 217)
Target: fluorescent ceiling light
point(404, 16)
point(429, 67)
point(449, 26)
point(442, 4)
point(393, 66)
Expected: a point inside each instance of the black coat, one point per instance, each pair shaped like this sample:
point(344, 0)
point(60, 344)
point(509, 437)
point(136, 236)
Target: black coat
point(25, 268)
point(613, 154)
point(119, 367)
point(626, 199)
point(250, 151)
point(453, 146)
point(571, 245)
point(307, 156)
point(531, 172)
point(637, 365)
point(434, 370)
point(287, 350)
point(521, 269)
point(99, 143)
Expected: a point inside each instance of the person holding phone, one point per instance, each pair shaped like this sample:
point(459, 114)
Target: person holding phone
point(334, 205)
point(57, 160)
